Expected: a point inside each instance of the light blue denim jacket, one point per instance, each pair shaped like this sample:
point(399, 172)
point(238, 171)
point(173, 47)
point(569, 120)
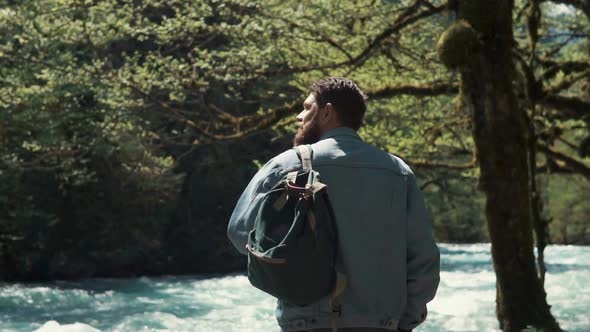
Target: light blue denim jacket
point(384, 231)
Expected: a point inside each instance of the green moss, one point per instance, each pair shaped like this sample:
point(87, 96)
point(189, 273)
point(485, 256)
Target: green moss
point(457, 44)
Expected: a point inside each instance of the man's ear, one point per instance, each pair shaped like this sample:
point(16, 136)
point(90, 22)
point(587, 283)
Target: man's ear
point(329, 114)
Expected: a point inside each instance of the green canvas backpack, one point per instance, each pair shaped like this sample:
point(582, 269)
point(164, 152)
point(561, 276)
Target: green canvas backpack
point(292, 248)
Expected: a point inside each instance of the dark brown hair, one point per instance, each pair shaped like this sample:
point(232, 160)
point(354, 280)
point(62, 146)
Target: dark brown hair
point(346, 97)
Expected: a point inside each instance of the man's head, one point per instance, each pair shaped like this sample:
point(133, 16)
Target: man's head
point(332, 102)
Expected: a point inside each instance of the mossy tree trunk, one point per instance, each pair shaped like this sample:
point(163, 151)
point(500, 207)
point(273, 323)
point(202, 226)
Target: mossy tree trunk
point(500, 135)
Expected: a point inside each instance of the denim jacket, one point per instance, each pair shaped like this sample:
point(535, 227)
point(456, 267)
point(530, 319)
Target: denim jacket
point(384, 230)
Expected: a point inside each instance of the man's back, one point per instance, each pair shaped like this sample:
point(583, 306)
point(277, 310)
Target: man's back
point(385, 237)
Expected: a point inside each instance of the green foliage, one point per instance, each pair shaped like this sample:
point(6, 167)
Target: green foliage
point(568, 208)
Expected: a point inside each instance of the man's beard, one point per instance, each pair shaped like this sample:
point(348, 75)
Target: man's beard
point(308, 134)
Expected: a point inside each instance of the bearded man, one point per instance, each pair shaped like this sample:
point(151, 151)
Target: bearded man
point(386, 246)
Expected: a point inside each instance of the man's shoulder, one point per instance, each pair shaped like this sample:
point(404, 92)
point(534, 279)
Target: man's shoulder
point(390, 160)
point(285, 161)
point(401, 164)
point(360, 153)
point(288, 160)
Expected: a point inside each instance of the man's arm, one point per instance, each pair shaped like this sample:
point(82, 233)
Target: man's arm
point(242, 219)
point(423, 259)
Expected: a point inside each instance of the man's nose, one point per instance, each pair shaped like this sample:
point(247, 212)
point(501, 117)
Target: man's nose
point(299, 117)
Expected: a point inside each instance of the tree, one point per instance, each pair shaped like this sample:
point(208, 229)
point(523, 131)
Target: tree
point(481, 44)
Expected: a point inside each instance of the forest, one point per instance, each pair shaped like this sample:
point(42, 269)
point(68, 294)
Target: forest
point(128, 129)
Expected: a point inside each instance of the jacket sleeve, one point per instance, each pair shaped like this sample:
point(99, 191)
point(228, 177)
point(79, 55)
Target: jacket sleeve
point(242, 219)
point(423, 259)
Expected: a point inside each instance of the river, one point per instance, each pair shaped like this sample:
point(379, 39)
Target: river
point(465, 300)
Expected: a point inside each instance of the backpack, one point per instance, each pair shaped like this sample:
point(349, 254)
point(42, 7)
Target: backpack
point(292, 248)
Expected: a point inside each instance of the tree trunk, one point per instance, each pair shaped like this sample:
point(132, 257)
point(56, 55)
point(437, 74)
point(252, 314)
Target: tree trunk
point(500, 135)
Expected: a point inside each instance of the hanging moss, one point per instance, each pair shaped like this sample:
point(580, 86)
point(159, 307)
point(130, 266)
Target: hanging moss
point(479, 13)
point(457, 44)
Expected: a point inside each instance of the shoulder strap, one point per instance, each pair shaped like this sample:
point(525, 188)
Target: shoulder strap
point(305, 152)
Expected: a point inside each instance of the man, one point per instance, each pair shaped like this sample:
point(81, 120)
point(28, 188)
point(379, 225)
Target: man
point(384, 231)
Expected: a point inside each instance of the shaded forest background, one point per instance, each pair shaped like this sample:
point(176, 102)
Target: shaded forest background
point(128, 129)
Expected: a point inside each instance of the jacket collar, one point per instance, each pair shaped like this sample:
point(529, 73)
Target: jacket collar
point(340, 132)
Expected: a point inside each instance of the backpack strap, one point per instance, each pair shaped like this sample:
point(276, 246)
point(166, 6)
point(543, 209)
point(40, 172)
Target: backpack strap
point(336, 296)
point(305, 152)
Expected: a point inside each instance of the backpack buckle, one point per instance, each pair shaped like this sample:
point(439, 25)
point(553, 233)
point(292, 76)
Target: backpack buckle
point(301, 192)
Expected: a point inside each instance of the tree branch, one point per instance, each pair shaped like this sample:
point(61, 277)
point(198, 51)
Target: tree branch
point(570, 107)
point(570, 163)
point(568, 82)
point(423, 163)
point(567, 67)
point(258, 122)
point(407, 18)
point(427, 89)
point(311, 29)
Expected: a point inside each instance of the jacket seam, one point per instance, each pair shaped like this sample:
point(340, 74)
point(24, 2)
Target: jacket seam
point(369, 166)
